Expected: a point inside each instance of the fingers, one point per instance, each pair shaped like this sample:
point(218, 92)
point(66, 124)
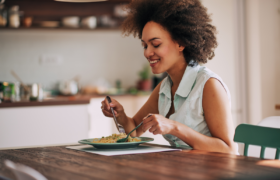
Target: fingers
point(157, 131)
point(152, 123)
point(114, 104)
point(148, 118)
point(107, 114)
point(153, 128)
point(106, 108)
point(149, 115)
point(149, 123)
point(106, 104)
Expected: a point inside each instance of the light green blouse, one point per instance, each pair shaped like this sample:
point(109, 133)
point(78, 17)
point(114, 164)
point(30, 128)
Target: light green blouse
point(187, 101)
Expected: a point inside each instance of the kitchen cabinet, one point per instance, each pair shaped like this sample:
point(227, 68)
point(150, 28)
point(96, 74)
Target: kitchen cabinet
point(50, 124)
point(44, 125)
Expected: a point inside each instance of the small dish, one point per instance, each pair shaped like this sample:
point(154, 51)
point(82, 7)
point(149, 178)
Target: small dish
point(124, 145)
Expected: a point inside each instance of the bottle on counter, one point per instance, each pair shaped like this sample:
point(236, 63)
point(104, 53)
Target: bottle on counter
point(14, 17)
point(3, 15)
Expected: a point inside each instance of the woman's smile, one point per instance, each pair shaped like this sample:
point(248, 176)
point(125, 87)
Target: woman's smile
point(153, 62)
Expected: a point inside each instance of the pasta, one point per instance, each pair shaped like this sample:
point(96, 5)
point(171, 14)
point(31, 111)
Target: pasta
point(114, 137)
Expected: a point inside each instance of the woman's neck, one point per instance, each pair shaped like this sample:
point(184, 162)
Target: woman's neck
point(177, 73)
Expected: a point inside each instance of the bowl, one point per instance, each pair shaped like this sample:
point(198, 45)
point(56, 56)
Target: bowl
point(71, 21)
point(89, 22)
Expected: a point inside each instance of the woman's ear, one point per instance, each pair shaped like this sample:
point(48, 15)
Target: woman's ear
point(181, 48)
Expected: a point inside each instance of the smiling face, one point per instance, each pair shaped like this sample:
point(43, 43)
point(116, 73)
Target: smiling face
point(162, 52)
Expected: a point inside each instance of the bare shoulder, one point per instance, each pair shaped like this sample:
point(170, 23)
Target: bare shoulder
point(214, 88)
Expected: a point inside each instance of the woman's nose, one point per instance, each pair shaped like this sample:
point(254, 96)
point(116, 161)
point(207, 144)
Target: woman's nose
point(148, 52)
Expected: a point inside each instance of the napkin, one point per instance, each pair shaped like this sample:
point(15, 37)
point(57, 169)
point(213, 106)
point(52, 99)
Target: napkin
point(113, 152)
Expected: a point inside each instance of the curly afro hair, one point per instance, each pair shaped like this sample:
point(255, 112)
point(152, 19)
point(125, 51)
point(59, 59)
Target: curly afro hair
point(186, 20)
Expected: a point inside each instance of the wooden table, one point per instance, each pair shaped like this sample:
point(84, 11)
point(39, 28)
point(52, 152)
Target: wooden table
point(61, 163)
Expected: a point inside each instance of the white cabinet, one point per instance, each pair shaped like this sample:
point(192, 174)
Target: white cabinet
point(63, 124)
point(103, 126)
point(99, 124)
point(44, 125)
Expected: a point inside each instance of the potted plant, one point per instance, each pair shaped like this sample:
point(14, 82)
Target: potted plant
point(145, 82)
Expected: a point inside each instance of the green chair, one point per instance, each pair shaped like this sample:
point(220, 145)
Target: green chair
point(258, 135)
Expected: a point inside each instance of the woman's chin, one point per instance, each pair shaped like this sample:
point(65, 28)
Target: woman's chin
point(155, 71)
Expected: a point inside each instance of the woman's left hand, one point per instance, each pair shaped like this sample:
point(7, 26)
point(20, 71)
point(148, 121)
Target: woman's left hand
point(157, 124)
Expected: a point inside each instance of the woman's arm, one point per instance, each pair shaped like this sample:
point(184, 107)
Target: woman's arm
point(151, 106)
point(217, 113)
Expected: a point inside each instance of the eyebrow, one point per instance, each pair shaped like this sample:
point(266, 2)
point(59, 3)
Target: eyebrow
point(151, 39)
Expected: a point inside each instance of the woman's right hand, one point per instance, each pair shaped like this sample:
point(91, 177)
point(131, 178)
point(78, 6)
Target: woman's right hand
point(118, 110)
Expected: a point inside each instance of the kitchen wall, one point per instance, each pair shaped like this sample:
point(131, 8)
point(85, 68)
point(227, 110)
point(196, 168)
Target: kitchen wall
point(90, 54)
point(263, 56)
point(275, 24)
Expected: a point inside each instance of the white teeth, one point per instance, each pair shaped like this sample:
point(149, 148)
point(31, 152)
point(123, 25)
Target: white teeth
point(152, 62)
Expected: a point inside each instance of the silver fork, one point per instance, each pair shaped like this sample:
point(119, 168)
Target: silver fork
point(119, 126)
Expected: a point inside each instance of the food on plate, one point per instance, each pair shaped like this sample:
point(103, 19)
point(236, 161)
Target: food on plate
point(114, 137)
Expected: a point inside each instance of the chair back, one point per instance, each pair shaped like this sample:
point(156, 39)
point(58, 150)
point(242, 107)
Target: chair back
point(258, 135)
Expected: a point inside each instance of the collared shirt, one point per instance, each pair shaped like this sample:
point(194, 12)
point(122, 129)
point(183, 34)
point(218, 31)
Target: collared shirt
point(187, 101)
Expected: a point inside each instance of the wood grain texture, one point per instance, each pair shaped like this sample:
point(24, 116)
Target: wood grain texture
point(61, 163)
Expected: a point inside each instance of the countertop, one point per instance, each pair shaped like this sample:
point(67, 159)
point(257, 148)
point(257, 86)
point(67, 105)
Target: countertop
point(58, 100)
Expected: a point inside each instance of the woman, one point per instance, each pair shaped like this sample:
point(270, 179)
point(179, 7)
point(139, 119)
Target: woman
point(191, 106)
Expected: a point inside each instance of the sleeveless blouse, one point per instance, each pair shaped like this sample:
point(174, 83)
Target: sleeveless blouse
point(187, 101)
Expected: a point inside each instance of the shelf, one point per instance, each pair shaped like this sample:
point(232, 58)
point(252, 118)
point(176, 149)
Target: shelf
point(61, 28)
point(50, 10)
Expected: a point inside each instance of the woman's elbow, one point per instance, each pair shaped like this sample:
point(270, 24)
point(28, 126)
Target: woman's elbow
point(231, 148)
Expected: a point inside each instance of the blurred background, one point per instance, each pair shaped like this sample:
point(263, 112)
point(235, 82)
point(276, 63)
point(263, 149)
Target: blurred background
point(58, 60)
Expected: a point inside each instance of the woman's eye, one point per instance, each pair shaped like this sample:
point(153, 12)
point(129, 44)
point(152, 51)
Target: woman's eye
point(156, 46)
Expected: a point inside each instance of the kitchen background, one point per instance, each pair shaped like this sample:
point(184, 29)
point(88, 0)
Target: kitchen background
point(247, 57)
point(88, 54)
